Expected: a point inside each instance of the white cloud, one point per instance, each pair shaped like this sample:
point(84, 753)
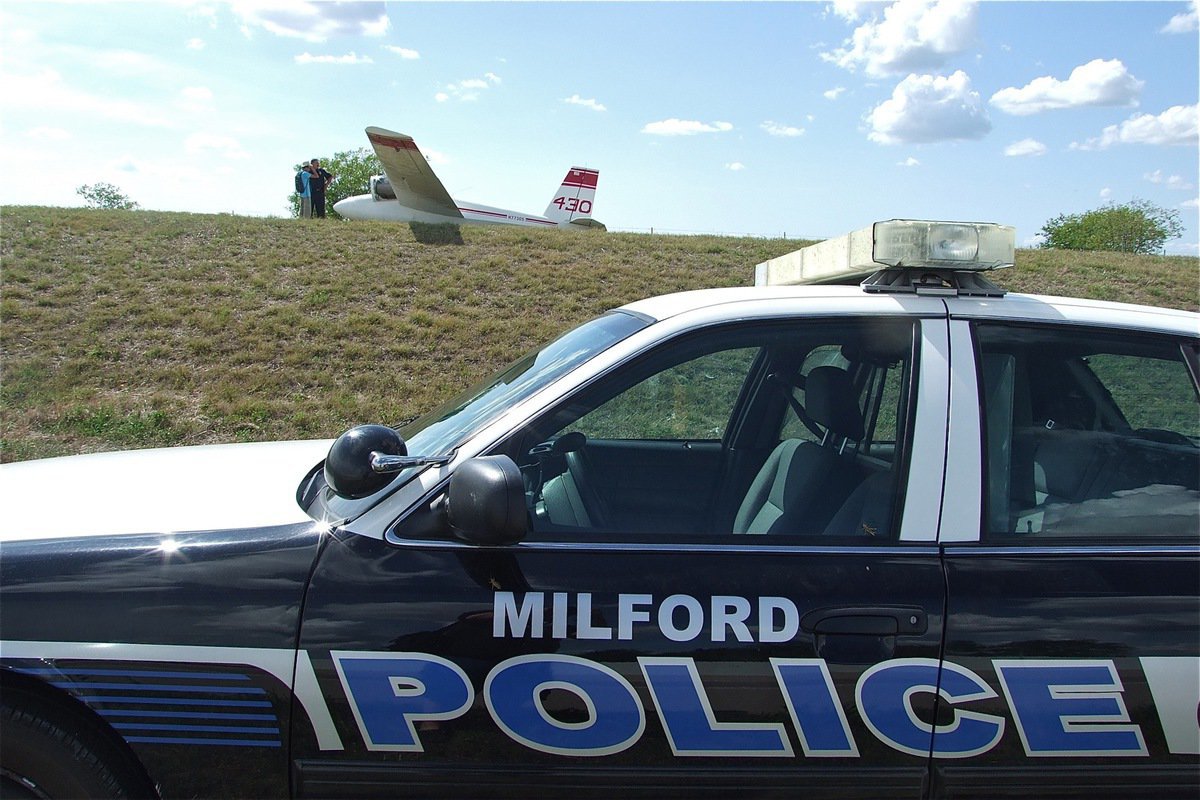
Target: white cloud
point(1096, 83)
point(1026, 147)
point(1187, 22)
point(125, 63)
point(195, 99)
point(213, 144)
point(1178, 125)
point(467, 90)
point(1193, 203)
point(930, 108)
point(834, 93)
point(735, 166)
point(195, 44)
point(404, 52)
point(908, 162)
point(197, 94)
point(685, 127)
point(349, 58)
point(45, 90)
point(1105, 193)
point(48, 134)
point(781, 129)
point(576, 100)
point(912, 35)
point(204, 13)
point(1173, 182)
point(846, 9)
point(314, 21)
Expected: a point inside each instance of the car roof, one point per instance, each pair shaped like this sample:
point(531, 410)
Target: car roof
point(669, 305)
point(1012, 306)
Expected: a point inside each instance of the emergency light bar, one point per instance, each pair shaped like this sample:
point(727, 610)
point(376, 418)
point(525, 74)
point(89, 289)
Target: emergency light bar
point(920, 246)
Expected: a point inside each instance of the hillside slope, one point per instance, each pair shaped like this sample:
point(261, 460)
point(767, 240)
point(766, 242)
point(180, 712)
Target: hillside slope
point(139, 329)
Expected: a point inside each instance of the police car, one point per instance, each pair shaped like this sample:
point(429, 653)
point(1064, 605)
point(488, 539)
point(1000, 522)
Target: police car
point(914, 538)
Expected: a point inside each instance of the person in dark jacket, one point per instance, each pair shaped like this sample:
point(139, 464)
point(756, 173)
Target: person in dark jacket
point(317, 185)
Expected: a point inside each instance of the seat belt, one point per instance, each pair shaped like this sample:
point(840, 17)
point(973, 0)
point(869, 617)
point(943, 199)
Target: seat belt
point(801, 414)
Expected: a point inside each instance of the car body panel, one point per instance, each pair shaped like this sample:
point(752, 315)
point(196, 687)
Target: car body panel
point(441, 601)
point(185, 643)
point(156, 491)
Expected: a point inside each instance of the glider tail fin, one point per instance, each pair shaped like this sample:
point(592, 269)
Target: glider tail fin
point(573, 201)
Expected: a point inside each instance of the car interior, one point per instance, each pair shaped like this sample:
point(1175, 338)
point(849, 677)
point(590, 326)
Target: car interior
point(777, 433)
point(1089, 435)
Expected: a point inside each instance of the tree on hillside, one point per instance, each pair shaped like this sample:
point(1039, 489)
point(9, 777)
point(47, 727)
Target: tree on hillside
point(1138, 226)
point(105, 195)
point(352, 171)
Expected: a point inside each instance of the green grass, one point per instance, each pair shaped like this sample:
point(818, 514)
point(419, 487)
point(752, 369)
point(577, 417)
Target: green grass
point(127, 329)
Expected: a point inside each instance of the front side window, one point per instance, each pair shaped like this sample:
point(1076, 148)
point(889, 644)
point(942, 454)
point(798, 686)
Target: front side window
point(736, 433)
point(690, 401)
point(1089, 434)
point(446, 427)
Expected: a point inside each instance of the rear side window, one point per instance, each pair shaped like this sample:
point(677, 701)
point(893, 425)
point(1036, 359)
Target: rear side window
point(1088, 434)
point(1152, 393)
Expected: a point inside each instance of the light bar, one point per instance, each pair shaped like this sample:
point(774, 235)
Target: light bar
point(898, 243)
point(957, 245)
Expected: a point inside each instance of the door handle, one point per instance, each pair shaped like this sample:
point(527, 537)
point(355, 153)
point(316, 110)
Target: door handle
point(866, 621)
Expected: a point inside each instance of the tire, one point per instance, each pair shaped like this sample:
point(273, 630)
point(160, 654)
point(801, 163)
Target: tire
point(46, 753)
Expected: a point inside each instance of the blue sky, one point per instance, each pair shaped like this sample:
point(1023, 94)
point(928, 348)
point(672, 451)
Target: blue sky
point(804, 119)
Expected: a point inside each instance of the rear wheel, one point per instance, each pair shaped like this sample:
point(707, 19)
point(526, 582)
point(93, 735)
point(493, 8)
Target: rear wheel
point(48, 753)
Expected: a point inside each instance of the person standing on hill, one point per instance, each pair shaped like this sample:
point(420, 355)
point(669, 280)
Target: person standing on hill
point(304, 191)
point(319, 180)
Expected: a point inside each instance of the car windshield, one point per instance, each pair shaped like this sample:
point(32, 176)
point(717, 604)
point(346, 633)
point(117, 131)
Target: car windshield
point(446, 427)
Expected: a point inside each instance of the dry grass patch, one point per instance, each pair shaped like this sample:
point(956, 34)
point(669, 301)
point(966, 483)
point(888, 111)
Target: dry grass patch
point(135, 329)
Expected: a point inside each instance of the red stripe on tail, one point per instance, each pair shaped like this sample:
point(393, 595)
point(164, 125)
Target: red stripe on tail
point(582, 178)
point(392, 141)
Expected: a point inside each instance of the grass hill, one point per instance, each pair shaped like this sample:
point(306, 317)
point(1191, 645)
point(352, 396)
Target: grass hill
point(123, 329)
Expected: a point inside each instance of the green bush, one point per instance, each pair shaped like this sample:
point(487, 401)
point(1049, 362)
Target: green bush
point(1138, 226)
point(105, 195)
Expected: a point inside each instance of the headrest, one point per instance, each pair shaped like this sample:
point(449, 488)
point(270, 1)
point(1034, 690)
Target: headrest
point(830, 399)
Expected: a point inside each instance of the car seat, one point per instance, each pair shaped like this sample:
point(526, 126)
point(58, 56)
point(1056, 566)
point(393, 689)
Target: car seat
point(802, 483)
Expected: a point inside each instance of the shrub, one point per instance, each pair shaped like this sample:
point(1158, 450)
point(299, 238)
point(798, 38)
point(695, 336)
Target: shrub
point(1138, 226)
point(105, 195)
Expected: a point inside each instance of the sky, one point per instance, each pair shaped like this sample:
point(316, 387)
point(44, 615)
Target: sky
point(797, 119)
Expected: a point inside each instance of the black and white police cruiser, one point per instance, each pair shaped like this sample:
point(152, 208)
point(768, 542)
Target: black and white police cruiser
point(914, 538)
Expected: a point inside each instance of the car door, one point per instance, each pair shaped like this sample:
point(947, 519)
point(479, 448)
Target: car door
point(609, 654)
point(1074, 605)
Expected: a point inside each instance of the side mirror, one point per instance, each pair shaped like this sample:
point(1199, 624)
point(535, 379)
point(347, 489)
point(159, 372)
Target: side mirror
point(363, 459)
point(348, 469)
point(485, 503)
